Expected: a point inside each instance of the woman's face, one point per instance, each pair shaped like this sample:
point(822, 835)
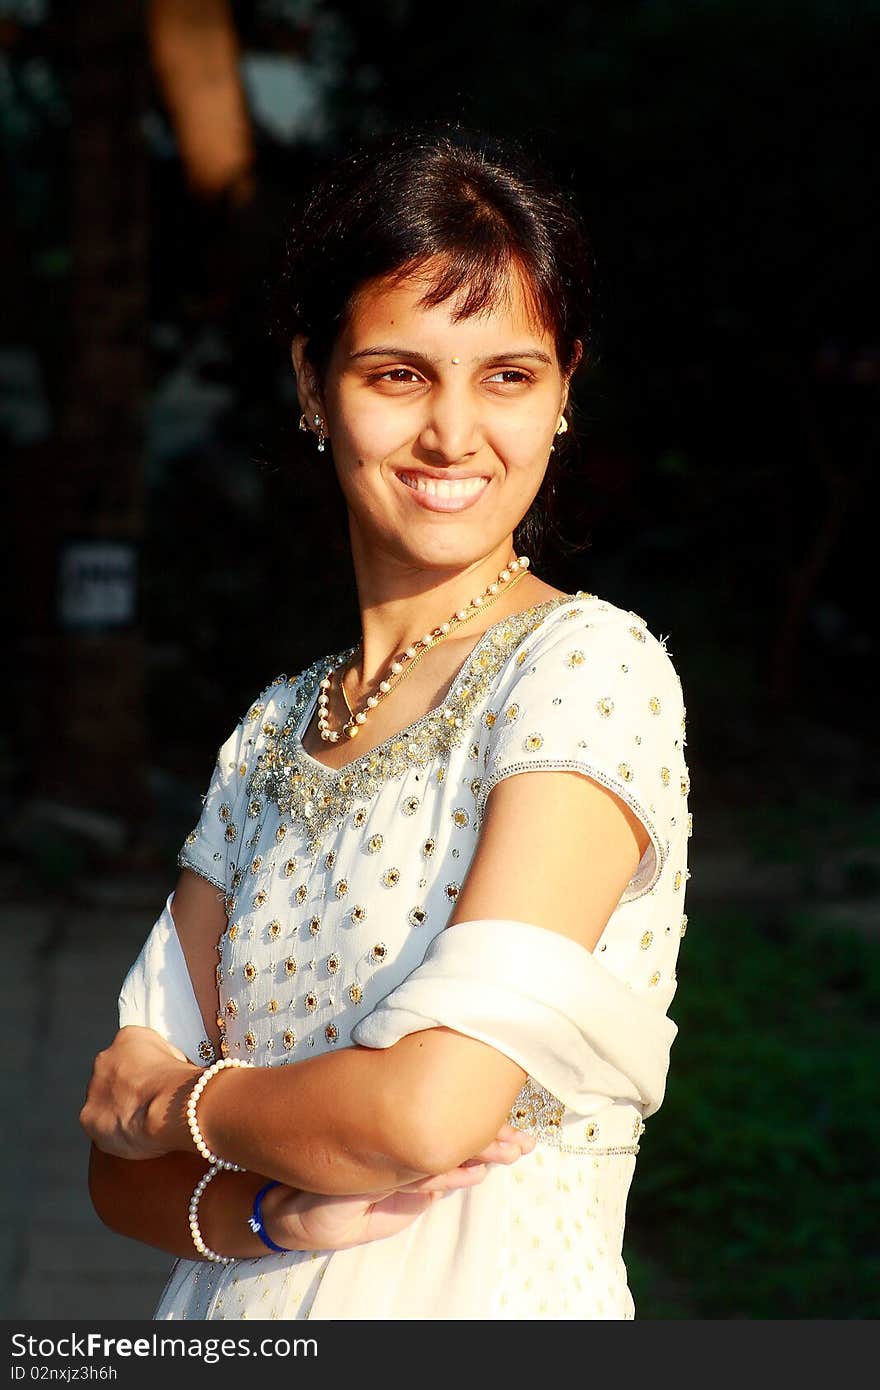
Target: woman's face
point(440, 431)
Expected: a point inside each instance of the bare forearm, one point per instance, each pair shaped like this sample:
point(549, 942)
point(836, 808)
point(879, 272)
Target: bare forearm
point(148, 1201)
point(331, 1129)
point(349, 1123)
point(358, 1120)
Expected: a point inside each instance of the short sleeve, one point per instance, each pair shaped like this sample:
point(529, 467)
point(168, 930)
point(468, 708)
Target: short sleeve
point(593, 691)
point(212, 845)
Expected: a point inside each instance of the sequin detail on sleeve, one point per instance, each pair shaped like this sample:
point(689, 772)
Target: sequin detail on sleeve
point(210, 847)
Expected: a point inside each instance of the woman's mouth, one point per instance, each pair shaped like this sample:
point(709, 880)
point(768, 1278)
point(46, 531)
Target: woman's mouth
point(443, 494)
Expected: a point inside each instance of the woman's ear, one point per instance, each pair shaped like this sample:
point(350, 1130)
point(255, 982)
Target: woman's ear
point(307, 388)
point(577, 353)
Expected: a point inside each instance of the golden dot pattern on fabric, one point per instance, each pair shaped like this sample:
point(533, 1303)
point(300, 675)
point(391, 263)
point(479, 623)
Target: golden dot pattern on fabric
point(351, 873)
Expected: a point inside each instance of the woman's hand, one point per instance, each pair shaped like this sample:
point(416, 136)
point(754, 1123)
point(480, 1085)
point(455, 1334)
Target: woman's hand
point(308, 1221)
point(135, 1103)
point(508, 1145)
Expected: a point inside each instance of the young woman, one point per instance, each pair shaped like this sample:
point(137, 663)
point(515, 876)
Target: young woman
point(435, 896)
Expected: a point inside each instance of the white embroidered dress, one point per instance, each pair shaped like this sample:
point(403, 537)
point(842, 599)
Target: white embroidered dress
point(338, 887)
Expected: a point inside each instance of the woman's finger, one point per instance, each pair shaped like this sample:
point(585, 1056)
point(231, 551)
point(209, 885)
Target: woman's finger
point(452, 1181)
point(506, 1150)
point(509, 1134)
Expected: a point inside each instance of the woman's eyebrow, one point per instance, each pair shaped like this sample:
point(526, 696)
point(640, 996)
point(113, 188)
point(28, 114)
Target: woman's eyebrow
point(536, 354)
point(393, 351)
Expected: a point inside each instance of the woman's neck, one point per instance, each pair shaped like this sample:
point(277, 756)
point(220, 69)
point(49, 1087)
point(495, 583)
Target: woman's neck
point(398, 610)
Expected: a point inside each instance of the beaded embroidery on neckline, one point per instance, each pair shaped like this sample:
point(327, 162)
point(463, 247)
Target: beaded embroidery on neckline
point(318, 797)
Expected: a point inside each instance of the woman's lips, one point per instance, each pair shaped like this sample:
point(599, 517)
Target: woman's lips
point(443, 494)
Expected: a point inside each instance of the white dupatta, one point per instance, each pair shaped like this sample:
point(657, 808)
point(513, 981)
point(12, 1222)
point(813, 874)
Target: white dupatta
point(542, 1000)
point(157, 991)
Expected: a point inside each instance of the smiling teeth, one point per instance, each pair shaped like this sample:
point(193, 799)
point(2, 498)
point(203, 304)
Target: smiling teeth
point(465, 487)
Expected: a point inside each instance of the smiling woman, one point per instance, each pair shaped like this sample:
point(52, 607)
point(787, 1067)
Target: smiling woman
point(438, 460)
point(430, 913)
point(463, 225)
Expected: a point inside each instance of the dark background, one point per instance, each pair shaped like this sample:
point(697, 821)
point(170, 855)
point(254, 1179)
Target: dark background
point(723, 489)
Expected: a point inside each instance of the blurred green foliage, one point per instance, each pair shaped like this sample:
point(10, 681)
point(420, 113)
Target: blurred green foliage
point(757, 1192)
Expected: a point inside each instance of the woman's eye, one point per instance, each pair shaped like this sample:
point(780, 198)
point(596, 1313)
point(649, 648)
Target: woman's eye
point(510, 375)
point(398, 374)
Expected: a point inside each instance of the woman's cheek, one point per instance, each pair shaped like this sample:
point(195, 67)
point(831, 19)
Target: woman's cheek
point(375, 437)
point(524, 453)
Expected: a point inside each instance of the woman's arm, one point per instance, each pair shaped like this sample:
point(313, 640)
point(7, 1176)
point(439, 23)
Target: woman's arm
point(557, 850)
point(199, 914)
point(149, 1202)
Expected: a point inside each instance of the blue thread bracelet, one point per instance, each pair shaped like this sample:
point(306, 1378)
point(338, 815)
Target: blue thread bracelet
point(256, 1220)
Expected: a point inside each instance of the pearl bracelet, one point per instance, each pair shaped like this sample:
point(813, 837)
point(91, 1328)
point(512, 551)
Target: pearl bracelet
point(193, 1123)
point(194, 1231)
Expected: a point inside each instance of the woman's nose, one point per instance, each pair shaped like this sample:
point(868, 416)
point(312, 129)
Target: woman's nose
point(451, 428)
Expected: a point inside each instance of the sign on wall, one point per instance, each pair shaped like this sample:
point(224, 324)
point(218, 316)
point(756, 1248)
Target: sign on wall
point(97, 585)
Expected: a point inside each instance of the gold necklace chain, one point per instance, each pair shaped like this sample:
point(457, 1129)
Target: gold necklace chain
point(417, 658)
point(437, 637)
point(401, 666)
point(344, 696)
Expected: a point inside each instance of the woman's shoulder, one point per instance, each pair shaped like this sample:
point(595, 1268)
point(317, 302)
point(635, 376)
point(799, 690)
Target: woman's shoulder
point(279, 699)
point(274, 696)
point(586, 631)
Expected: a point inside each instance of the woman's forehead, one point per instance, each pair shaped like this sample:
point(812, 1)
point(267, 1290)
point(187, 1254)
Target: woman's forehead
point(397, 303)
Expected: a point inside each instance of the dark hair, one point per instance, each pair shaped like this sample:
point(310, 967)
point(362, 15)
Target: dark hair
point(478, 205)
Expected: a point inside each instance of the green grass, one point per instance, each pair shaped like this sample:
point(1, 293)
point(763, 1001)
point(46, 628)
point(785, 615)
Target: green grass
point(757, 1191)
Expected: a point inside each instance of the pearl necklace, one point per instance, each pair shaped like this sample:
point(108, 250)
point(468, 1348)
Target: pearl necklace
point(401, 666)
